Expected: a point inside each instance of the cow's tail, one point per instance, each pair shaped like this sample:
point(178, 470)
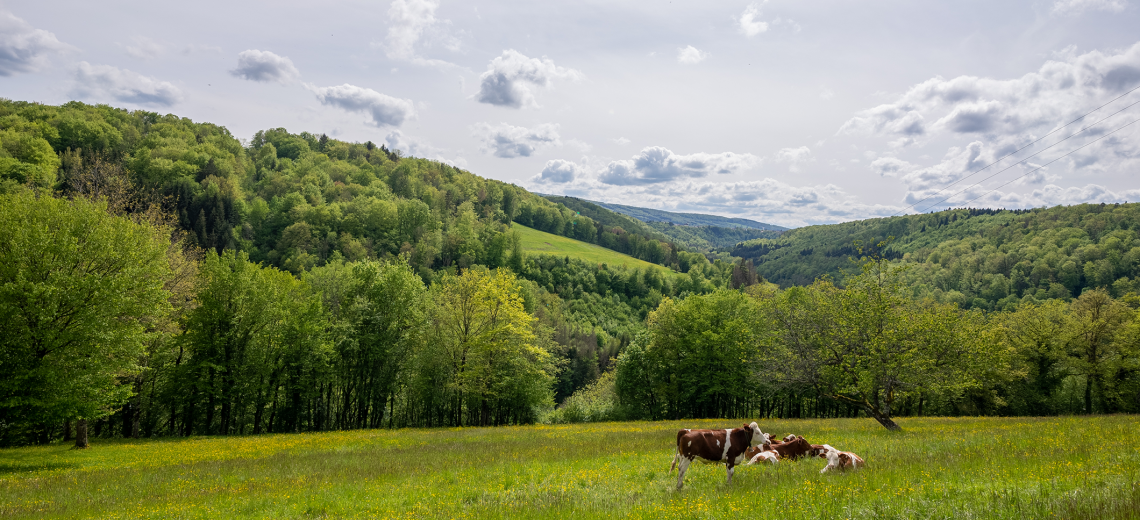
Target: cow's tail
point(677, 456)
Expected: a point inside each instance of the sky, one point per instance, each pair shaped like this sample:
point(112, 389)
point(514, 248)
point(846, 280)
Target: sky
point(790, 113)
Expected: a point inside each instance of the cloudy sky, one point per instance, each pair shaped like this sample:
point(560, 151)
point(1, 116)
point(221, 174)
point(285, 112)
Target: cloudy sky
point(786, 112)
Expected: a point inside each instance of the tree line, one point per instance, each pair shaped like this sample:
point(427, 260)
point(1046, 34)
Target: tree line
point(869, 348)
point(985, 259)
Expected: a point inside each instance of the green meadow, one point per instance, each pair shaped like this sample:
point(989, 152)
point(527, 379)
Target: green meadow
point(541, 242)
point(1062, 467)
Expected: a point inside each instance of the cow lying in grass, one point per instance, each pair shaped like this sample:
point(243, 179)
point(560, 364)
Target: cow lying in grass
point(715, 445)
point(762, 453)
point(840, 460)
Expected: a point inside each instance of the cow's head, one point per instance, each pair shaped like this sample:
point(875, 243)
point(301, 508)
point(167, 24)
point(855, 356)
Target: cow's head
point(791, 437)
point(818, 451)
point(758, 437)
point(831, 454)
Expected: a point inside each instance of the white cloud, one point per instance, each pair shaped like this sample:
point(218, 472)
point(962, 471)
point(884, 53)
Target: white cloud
point(656, 165)
point(982, 119)
point(144, 48)
point(384, 110)
point(413, 22)
point(826, 94)
point(265, 66)
point(1079, 6)
point(621, 141)
point(558, 171)
point(891, 166)
point(24, 48)
point(104, 82)
point(794, 157)
point(690, 55)
point(508, 81)
point(509, 141)
point(749, 21)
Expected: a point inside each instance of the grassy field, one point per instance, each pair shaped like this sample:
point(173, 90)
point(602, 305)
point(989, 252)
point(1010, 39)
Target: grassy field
point(535, 241)
point(1068, 467)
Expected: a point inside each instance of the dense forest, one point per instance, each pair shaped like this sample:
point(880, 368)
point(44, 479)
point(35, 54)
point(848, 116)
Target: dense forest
point(977, 258)
point(160, 277)
point(302, 218)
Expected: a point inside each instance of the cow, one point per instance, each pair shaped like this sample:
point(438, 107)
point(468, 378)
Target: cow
point(791, 437)
point(793, 449)
point(762, 453)
point(841, 460)
point(715, 445)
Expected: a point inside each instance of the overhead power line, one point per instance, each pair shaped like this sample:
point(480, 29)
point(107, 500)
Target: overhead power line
point(1051, 162)
point(1074, 134)
point(1058, 129)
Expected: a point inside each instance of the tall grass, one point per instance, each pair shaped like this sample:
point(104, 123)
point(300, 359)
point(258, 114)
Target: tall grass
point(1072, 467)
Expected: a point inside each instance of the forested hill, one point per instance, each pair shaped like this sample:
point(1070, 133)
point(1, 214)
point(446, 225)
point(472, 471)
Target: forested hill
point(689, 230)
point(308, 204)
point(974, 257)
point(294, 200)
point(687, 219)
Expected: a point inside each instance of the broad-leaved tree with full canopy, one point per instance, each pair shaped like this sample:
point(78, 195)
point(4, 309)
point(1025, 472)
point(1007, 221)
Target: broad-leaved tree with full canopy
point(870, 345)
point(78, 287)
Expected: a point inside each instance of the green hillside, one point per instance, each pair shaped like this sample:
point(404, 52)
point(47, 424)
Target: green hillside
point(687, 219)
point(541, 242)
point(974, 257)
point(692, 233)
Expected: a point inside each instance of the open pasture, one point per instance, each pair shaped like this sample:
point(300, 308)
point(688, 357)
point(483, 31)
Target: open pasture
point(1066, 467)
point(541, 242)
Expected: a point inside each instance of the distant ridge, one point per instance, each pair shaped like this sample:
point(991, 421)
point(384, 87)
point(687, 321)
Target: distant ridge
point(686, 219)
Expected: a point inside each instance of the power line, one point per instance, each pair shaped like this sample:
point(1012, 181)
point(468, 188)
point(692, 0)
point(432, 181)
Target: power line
point(1050, 162)
point(1058, 129)
point(1078, 132)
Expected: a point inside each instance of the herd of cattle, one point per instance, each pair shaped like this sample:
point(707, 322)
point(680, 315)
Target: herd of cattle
point(733, 446)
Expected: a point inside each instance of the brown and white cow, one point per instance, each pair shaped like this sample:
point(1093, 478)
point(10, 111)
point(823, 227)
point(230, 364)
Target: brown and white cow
point(793, 449)
point(726, 445)
point(841, 460)
point(762, 453)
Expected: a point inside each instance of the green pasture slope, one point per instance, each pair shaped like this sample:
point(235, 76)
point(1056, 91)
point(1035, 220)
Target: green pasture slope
point(1015, 468)
point(541, 242)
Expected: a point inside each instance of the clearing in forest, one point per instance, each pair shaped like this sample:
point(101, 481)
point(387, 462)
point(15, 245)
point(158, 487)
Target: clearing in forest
point(1065, 467)
point(541, 242)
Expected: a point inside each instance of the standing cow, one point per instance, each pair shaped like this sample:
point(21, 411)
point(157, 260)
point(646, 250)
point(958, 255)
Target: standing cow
point(715, 445)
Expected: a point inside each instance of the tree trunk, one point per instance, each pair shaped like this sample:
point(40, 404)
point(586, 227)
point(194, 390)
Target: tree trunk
point(887, 422)
point(1088, 394)
point(81, 434)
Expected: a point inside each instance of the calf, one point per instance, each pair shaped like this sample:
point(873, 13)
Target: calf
point(841, 460)
point(715, 445)
point(763, 453)
point(793, 449)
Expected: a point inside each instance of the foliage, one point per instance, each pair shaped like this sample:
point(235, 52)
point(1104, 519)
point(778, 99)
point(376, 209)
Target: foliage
point(870, 345)
point(78, 288)
point(596, 402)
point(987, 259)
point(699, 358)
point(483, 362)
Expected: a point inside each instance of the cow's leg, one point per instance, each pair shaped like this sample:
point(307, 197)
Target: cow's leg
point(730, 468)
point(675, 456)
point(684, 465)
